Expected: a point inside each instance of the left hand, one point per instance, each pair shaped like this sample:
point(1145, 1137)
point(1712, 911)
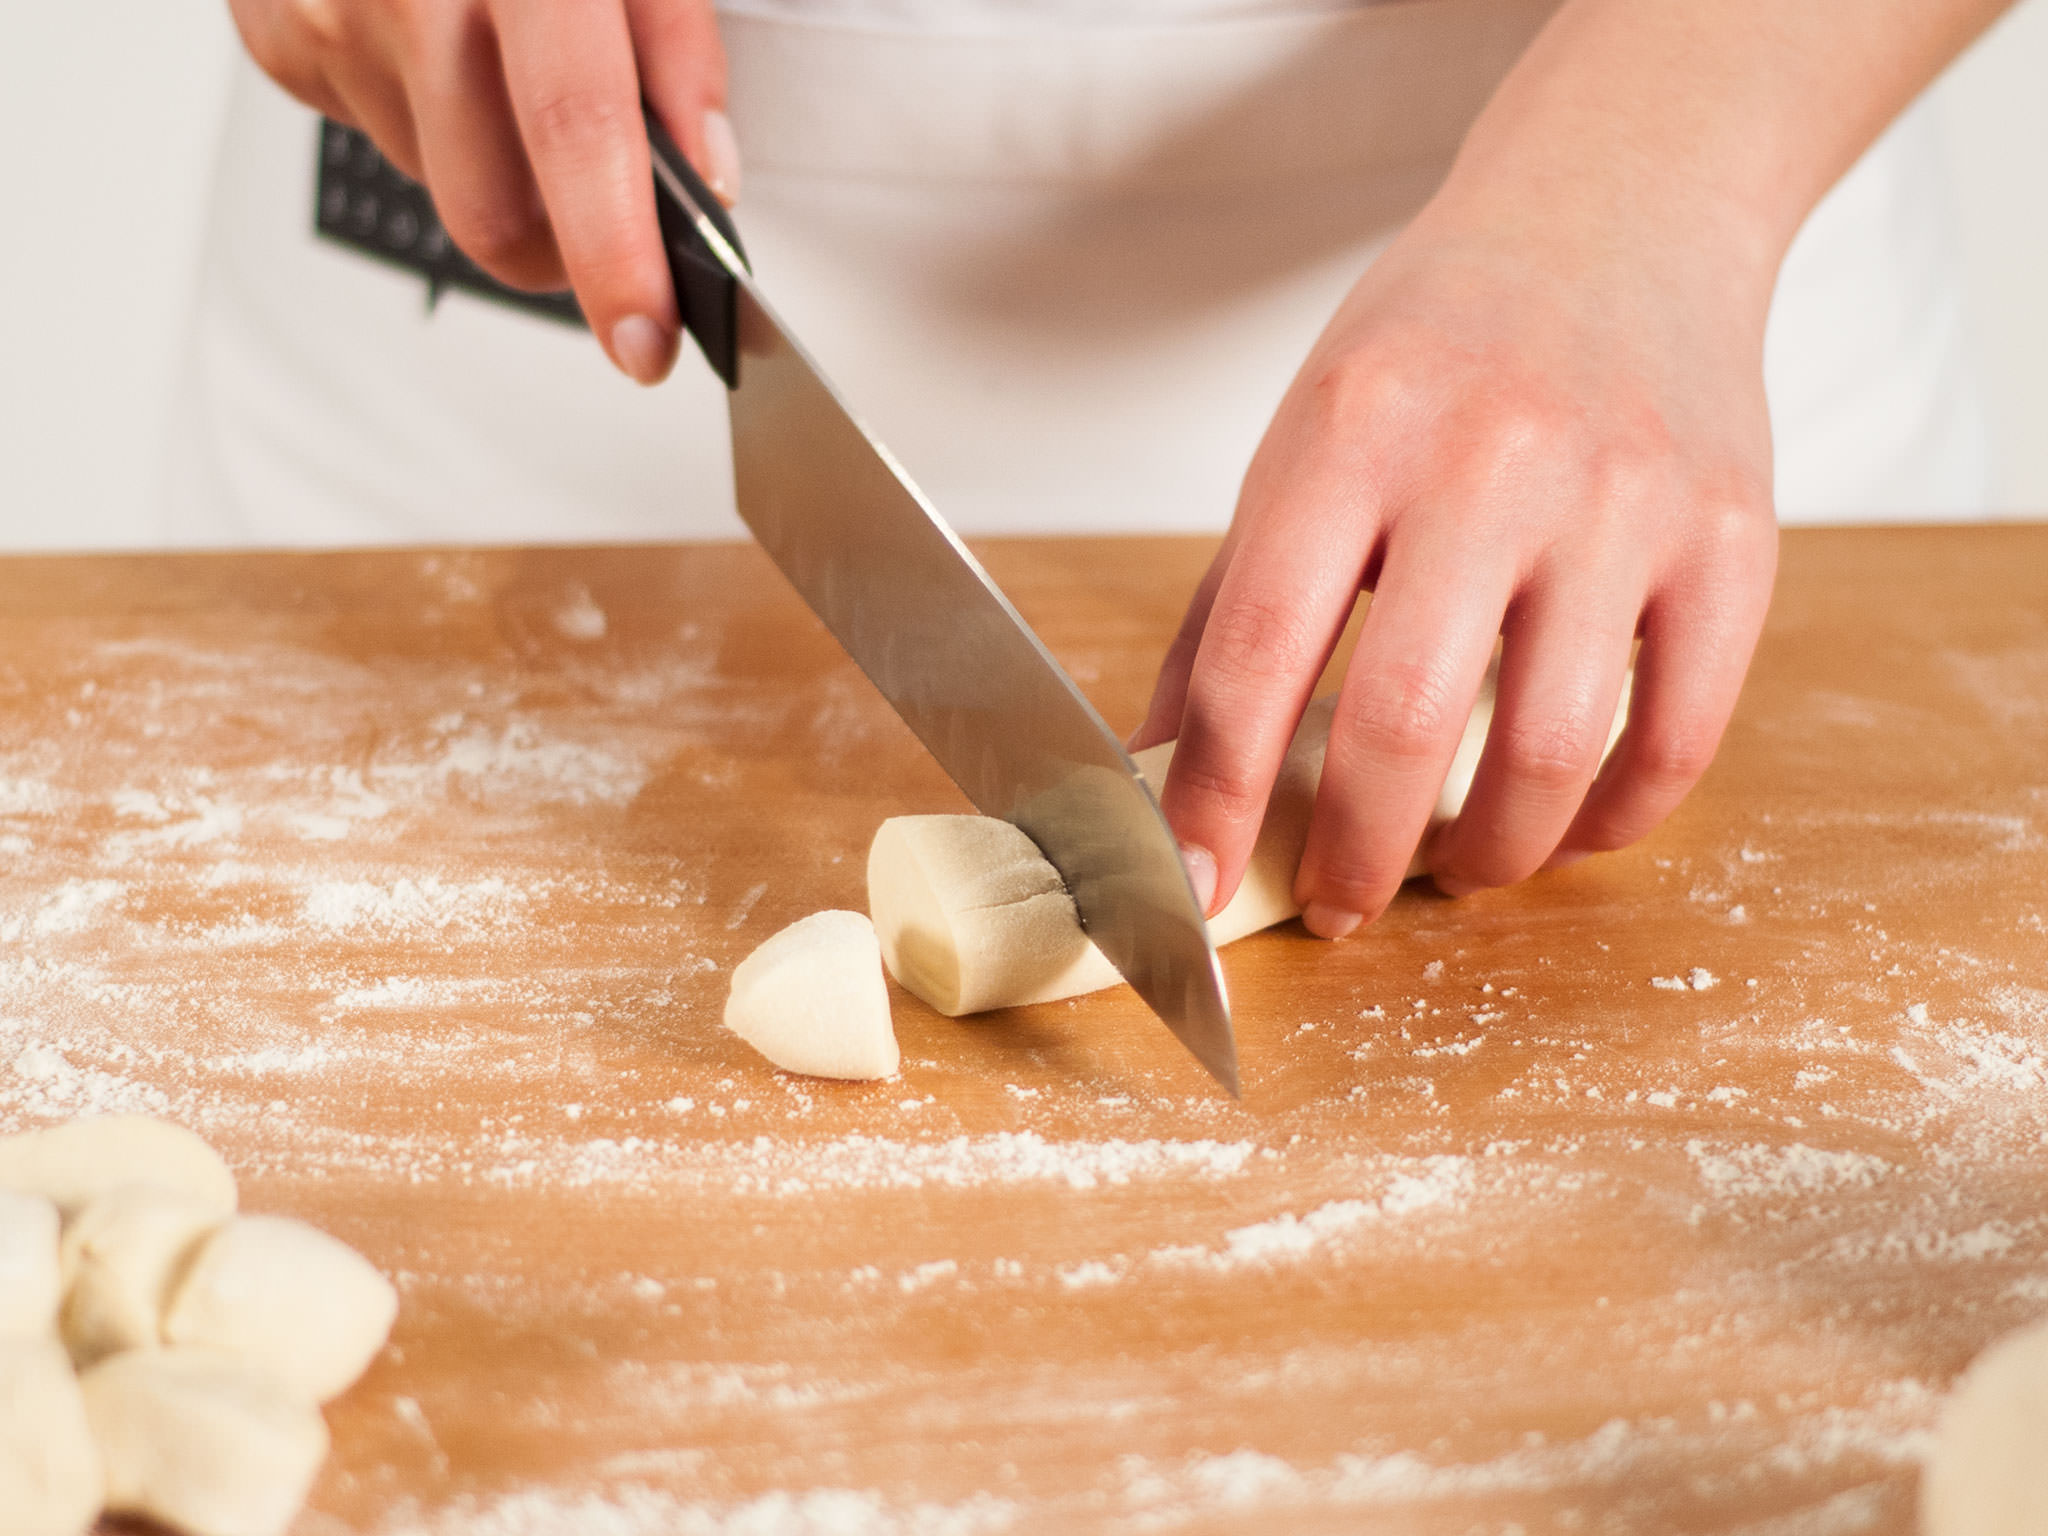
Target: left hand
point(1540, 416)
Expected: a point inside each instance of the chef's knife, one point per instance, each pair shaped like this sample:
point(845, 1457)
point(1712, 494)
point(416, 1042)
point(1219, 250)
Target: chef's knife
point(922, 619)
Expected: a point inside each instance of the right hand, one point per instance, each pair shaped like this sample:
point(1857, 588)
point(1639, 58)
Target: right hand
point(522, 118)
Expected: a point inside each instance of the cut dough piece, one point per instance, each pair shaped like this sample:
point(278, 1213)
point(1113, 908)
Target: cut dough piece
point(285, 1298)
point(1988, 1475)
point(812, 999)
point(122, 1255)
point(72, 1163)
point(49, 1468)
point(202, 1442)
point(30, 1278)
point(971, 916)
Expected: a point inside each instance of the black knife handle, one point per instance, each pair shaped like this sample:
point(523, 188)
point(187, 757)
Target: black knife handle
point(707, 294)
point(363, 201)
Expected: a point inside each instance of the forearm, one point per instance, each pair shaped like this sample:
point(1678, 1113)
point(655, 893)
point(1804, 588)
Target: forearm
point(1724, 119)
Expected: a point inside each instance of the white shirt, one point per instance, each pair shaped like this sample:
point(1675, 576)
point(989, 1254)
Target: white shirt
point(1065, 270)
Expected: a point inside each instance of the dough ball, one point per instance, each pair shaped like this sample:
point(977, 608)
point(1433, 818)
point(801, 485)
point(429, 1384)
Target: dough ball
point(121, 1256)
point(304, 1308)
point(201, 1442)
point(49, 1468)
point(72, 1163)
point(812, 1000)
point(1988, 1475)
point(30, 1278)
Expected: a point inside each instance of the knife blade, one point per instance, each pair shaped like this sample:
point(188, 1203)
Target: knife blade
point(921, 617)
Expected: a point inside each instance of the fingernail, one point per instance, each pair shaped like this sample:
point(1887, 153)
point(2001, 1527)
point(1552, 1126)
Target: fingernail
point(1328, 922)
point(1565, 858)
point(1201, 866)
point(722, 157)
point(1452, 888)
point(643, 348)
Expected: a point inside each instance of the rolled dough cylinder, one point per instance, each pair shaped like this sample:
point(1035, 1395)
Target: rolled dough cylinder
point(122, 1254)
point(71, 1164)
point(202, 1442)
point(1988, 1475)
point(50, 1481)
point(286, 1299)
point(972, 917)
point(812, 1000)
point(31, 1279)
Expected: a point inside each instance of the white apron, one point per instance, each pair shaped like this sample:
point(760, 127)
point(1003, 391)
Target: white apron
point(1066, 266)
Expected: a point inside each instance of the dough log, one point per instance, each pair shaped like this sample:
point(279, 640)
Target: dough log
point(972, 917)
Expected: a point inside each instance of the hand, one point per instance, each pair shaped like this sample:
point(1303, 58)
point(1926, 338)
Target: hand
point(1536, 419)
point(522, 117)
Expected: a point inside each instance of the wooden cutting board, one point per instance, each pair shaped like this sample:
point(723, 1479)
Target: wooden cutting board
point(1665, 1193)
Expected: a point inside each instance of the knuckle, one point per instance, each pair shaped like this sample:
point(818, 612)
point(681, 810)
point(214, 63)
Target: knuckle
point(1553, 753)
point(1400, 714)
point(507, 241)
point(1350, 391)
point(281, 50)
point(1627, 483)
point(1604, 834)
point(320, 19)
point(1674, 757)
point(576, 121)
point(1741, 530)
point(1227, 788)
point(1350, 877)
point(1481, 873)
point(1520, 432)
point(1255, 638)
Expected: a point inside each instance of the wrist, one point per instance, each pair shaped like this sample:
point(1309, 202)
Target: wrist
point(1633, 141)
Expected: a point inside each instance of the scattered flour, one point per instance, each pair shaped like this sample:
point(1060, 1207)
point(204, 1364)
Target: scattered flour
point(648, 1512)
point(1765, 1172)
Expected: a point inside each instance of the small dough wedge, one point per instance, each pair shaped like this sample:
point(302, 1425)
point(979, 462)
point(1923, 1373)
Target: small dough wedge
point(286, 1299)
point(812, 1000)
point(74, 1163)
point(31, 1278)
point(972, 917)
point(121, 1256)
point(202, 1442)
point(50, 1480)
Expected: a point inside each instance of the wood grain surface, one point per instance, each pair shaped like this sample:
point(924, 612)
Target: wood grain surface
point(1668, 1193)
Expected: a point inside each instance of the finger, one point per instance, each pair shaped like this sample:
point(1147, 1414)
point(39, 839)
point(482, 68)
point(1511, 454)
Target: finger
point(292, 52)
point(1421, 654)
point(471, 154)
point(1169, 692)
point(1697, 640)
point(372, 99)
point(576, 96)
point(1278, 610)
point(682, 75)
point(340, 64)
point(1565, 653)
